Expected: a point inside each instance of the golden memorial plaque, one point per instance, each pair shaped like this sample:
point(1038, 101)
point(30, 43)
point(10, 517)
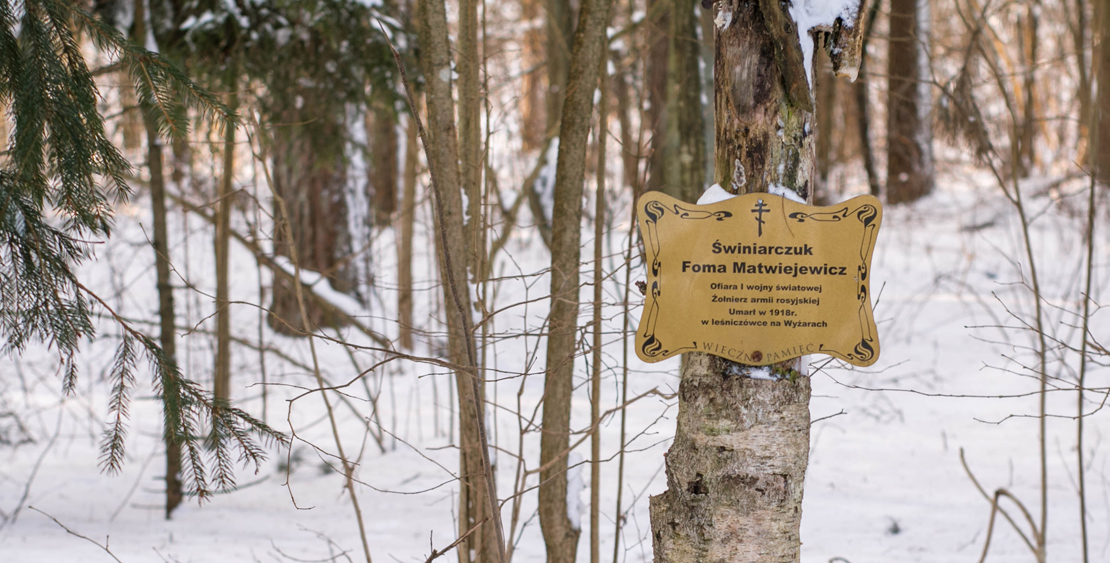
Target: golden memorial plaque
point(758, 279)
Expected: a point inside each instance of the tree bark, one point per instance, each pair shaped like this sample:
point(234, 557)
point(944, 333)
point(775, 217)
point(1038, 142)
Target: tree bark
point(166, 337)
point(477, 495)
point(222, 382)
point(381, 128)
point(655, 81)
point(686, 128)
point(132, 121)
point(1102, 106)
point(863, 104)
point(560, 33)
point(736, 470)
point(825, 84)
point(1083, 72)
point(404, 249)
point(630, 146)
point(532, 99)
point(909, 131)
point(559, 533)
point(708, 48)
point(470, 131)
point(310, 173)
point(1029, 42)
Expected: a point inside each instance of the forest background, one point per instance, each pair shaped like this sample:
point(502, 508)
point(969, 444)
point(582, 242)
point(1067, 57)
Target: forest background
point(359, 335)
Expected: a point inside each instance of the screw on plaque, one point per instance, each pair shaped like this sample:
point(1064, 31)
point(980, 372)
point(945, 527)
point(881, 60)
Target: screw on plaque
point(756, 356)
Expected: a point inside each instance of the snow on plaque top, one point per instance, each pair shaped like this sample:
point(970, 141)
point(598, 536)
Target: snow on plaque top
point(758, 279)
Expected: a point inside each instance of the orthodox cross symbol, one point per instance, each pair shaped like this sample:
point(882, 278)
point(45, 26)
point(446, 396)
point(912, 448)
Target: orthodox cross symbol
point(759, 209)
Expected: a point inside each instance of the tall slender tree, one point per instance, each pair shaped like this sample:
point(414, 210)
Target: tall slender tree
point(863, 104)
point(167, 338)
point(382, 181)
point(560, 35)
point(533, 118)
point(470, 131)
point(1080, 31)
point(736, 469)
point(404, 247)
point(478, 505)
point(560, 534)
point(685, 148)
point(909, 126)
point(656, 58)
point(1029, 40)
point(1101, 110)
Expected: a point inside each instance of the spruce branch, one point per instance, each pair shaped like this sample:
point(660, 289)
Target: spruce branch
point(163, 88)
point(185, 406)
point(60, 159)
point(123, 380)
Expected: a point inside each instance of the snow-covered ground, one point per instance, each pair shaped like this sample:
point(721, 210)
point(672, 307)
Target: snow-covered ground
point(885, 481)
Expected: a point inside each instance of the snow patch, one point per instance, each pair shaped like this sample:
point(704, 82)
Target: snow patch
point(808, 14)
point(490, 449)
point(714, 194)
point(723, 19)
point(575, 485)
point(784, 192)
point(149, 43)
point(323, 289)
point(760, 372)
point(545, 180)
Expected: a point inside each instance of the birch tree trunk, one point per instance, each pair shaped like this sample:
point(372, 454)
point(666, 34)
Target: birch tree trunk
point(736, 470)
point(560, 534)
